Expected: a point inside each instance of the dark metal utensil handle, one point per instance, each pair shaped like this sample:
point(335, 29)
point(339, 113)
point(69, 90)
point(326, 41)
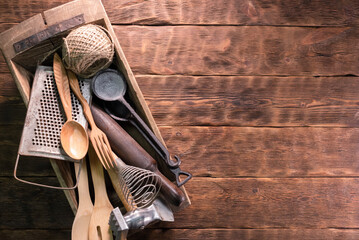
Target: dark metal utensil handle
point(173, 166)
point(145, 132)
point(155, 143)
point(161, 150)
point(150, 136)
point(177, 172)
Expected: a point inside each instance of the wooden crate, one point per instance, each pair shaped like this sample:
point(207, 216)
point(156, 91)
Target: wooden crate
point(41, 34)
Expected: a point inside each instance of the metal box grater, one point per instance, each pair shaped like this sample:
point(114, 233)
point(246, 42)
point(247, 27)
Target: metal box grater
point(45, 118)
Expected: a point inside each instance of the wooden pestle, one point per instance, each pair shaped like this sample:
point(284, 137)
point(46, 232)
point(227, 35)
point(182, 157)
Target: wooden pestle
point(133, 154)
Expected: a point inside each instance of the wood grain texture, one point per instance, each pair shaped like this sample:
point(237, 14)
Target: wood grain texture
point(15, 12)
point(231, 50)
point(235, 50)
point(242, 152)
point(247, 234)
point(252, 101)
point(24, 206)
point(233, 12)
point(12, 110)
point(211, 12)
point(210, 234)
point(240, 203)
point(270, 203)
point(43, 234)
point(28, 166)
point(8, 88)
point(265, 152)
point(231, 101)
point(306, 198)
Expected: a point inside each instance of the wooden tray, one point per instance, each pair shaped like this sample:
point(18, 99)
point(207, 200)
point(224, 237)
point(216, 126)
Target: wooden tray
point(29, 42)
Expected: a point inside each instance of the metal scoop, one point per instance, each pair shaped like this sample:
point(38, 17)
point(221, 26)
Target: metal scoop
point(110, 86)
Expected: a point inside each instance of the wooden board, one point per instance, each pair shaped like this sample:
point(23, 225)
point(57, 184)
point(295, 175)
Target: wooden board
point(252, 101)
point(241, 152)
point(240, 203)
point(28, 167)
point(36, 234)
point(210, 12)
point(210, 234)
point(260, 171)
point(237, 50)
point(265, 152)
point(247, 234)
point(233, 50)
point(232, 100)
point(270, 203)
point(26, 207)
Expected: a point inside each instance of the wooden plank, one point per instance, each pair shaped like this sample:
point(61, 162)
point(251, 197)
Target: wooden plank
point(235, 50)
point(232, 50)
point(6, 25)
point(247, 234)
point(210, 234)
point(210, 12)
point(28, 166)
point(231, 101)
point(8, 87)
point(16, 234)
point(3, 67)
point(12, 111)
point(259, 152)
point(240, 203)
point(234, 12)
point(24, 206)
point(265, 152)
point(16, 12)
point(270, 203)
point(252, 101)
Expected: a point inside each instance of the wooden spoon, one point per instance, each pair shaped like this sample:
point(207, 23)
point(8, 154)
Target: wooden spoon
point(73, 136)
point(80, 226)
point(99, 228)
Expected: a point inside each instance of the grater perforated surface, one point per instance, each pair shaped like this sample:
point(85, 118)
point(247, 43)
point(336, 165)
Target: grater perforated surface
point(45, 116)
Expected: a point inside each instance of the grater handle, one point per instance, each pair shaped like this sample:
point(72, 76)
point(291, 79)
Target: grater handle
point(74, 83)
point(44, 185)
point(62, 83)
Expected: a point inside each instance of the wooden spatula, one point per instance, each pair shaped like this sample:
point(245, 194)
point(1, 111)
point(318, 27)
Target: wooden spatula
point(80, 227)
point(99, 228)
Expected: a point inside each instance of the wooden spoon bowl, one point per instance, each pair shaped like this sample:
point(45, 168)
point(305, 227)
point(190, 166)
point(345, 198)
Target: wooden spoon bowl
point(74, 139)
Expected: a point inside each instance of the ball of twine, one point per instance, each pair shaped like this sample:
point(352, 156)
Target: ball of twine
point(87, 50)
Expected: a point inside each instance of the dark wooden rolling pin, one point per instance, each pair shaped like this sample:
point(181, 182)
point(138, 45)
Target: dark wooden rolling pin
point(133, 154)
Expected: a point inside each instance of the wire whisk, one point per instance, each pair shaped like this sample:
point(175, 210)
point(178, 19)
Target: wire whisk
point(136, 187)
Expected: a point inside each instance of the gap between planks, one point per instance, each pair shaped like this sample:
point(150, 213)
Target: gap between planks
point(216, 25)
point(225, 178)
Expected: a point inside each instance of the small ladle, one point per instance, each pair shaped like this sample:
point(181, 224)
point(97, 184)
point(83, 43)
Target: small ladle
point(110, 86)
point(73, 137)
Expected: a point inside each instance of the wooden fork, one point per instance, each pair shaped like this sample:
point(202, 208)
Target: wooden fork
point(80, 226)
point(97, 137)
point(99, 229)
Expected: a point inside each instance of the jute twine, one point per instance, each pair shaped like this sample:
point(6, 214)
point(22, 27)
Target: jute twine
point(87, 50)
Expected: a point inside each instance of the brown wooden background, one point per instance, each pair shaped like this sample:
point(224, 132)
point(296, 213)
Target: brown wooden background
point(260, 99)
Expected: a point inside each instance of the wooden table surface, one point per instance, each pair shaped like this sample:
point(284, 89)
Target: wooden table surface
point(259, 98)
